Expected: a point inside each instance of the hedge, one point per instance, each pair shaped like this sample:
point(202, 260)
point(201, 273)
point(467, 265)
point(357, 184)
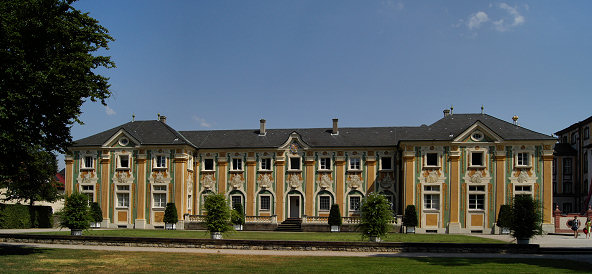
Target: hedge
point(25, 216)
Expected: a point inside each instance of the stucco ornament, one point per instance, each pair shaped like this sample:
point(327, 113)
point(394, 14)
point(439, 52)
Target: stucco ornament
point(122, 177)
point(208, 182)
point(387, 181)
point(325, 182)
point(189, 184)
point(159, 178)
point(237, 181)
point(265, 181)
point(354, 182)
point(432, 177)
point(523, 177)
point(87, 179)
point(476, 178)
point(294, 181)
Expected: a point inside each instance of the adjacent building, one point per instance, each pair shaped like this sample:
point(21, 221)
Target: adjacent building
point(571, 179)
point(457, 171)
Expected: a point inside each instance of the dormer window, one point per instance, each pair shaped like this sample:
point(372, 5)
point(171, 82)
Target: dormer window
point(208, 164)
point(325, 163)
point(123, 161)
point(477, 159)
point(160, 161)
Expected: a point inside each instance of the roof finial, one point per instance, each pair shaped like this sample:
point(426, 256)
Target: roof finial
point(515, 119)
point(158, 116)
point(482, 109)
point(451, 109)
point(133, 117)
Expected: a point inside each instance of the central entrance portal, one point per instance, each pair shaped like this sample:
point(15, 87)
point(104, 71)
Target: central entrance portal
point(294, 207)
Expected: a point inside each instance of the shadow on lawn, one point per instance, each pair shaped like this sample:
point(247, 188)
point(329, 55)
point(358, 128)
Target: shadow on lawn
point(19, 250)
point(540, 262)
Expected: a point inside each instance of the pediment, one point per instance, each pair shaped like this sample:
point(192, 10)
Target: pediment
point(294, 143)
point(478, 133)
point(119, 140)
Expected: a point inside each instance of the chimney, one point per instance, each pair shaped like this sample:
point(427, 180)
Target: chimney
point(446, 112)
point(162, 118)
point(335, 128)
point(262, 127)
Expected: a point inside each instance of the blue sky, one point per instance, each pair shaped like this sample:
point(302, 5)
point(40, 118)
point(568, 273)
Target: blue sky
point(227, 64)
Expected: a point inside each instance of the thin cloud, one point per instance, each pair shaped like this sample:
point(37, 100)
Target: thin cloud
point(476, 19)
point(398, 6)
point(202, 122)
point(109, 111)
point(516, 19)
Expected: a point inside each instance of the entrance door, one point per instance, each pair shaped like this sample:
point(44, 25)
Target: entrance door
point(294, 207)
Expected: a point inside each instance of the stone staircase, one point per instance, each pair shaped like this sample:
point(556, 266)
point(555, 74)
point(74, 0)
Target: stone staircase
point(290, 225)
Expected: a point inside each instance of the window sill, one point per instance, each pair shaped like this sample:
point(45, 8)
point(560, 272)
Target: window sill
point(265, 170)
point(236, 170)
point(528, 166)
point(159, 168)
point(294, 170)
point(122, 168)
point(208, 170)
point(472, 166)
point(264, 210)
point(325, 170)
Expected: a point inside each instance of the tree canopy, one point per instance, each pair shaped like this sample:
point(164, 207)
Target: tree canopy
point(48, 69)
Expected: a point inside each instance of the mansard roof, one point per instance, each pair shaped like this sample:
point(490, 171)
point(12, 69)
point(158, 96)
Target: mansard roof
point(445, 129)
point(146, 132)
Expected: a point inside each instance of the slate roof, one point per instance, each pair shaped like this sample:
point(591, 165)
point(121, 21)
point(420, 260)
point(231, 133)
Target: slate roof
point(445, 129)
point(146, 132)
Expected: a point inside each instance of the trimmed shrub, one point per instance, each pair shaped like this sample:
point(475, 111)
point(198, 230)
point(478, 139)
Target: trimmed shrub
point(504, 218)
point(218, 213)
point(96, 212)
point(76, 213)
point(25, 216)
point(526, 217)
point(170, 214)
point(237, 216)
point(334, 216)
point(410, 217)
point(376, 216)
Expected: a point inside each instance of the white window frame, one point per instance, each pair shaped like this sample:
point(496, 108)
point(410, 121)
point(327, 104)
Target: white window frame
point(477, 136)
point(156, 164)
point(483, 160)
point(320, 203)
point(425, 161)
point(351, 209)
point(157, 189)
point(382, 167)
point(203, 167)
point(269, 160)
point(349, 164)
point(522, 191)
point(261, 202)
point(190, 163)
point(477, 191)
point(126, 192)
point(296, 158)
point(431, 191)
point(90, 191)
point(129, 161)
point(232, 202)
point(325, 163)
point(236, 161)
point(519, 160)
point(83, 164)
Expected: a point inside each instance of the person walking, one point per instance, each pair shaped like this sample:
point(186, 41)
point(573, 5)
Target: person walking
point(575, 224)
point(588, 227)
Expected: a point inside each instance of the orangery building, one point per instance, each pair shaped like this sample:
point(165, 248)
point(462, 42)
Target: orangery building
point(457, 171)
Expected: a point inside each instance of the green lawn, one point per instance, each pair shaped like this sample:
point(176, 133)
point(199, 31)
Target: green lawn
point(32, 260)
point(295, 236)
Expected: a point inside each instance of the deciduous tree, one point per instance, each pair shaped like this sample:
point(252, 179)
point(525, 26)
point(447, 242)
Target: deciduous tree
point(48, 69)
